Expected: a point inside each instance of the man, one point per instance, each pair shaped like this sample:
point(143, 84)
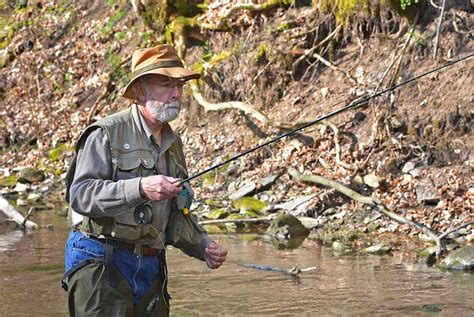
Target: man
point(122, 189)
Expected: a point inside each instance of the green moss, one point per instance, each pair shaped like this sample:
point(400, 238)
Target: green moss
point(9, 181)
point(213, 229)
point(217, 214)
point(250, 204)
point(179, 27)
point(56, 153)
point(261, 56)
point(209, 179)
point(283, 26)
point(250, 237)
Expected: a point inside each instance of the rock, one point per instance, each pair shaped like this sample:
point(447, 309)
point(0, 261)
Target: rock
point(33, 197)
point(292, 204)
point(21, 202)
point(217, 214)
point(268, 181)
point(245, 190)
point(340, 247)
point(426, 192)
point(311, 223)
point(30, 175)
point(287, 226)
point(371, 180)
point(460, 259)
point(250, 204)
point(21, 188)
point(378, 249)
point(414, 168)
point(432, 308)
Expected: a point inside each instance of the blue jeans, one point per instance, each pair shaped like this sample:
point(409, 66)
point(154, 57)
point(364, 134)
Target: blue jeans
point(140, 272)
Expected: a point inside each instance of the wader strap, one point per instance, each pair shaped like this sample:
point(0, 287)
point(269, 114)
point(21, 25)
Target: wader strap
point(72, 270)
point(164, 274)
point(109, 263)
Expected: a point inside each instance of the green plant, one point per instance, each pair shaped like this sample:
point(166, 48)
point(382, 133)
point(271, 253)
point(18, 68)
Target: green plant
point(406, 3)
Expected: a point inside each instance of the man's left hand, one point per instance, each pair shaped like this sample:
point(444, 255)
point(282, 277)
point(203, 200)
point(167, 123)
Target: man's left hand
point(214, 255)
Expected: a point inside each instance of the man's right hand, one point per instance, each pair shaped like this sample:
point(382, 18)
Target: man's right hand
point(160, 187)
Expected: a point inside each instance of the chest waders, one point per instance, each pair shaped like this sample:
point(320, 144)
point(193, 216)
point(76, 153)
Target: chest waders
point(142, 225)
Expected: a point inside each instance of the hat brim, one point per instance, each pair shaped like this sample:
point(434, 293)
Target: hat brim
point(173, 72)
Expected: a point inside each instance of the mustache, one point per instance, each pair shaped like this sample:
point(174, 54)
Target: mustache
point(172, 104)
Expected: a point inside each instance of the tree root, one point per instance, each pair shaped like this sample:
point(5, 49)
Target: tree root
point(373, 201)
point(242, 106)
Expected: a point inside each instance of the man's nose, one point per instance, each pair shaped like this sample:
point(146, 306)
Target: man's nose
point(177, 92)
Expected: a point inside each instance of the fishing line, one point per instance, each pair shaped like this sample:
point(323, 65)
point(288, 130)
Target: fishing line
point(354, 105)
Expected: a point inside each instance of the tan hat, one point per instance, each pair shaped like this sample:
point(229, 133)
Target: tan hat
point(161, 60)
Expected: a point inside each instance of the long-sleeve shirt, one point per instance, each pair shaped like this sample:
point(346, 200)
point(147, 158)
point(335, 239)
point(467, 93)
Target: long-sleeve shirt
point(93, 193)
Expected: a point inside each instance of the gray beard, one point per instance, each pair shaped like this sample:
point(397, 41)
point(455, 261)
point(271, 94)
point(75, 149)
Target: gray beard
point(166, 113)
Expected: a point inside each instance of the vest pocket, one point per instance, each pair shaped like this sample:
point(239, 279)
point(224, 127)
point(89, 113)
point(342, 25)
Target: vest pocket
point(128, 166)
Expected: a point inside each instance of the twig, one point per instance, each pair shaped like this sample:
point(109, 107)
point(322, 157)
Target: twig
point(309, 52)
point(438, 30)
point(334, 67)
point(23, 225)
point(338, 147)
point(222, 221)
point(11, 212)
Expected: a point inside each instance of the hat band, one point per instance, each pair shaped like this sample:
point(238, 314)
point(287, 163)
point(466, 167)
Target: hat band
point(163, 64)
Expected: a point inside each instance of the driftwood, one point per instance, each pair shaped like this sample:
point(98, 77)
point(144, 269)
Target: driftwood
point(221, 221)
point(373, 201)
point(14, 215)
point(294, 271)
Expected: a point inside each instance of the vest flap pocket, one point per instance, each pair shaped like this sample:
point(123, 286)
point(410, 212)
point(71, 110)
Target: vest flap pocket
point(131, 161)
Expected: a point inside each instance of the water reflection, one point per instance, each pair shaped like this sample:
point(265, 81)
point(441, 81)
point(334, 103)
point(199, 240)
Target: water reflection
point(31, 268)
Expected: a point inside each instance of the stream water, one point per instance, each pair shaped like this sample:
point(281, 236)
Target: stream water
point(31, 267)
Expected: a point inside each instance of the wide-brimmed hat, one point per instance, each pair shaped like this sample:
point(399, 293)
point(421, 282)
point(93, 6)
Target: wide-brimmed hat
point(161, 60)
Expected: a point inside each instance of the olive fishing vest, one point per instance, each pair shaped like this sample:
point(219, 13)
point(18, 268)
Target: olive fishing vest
point(132, 157)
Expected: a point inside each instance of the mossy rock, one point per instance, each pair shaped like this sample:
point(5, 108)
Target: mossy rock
point(209, 180)
point(287, 226)
point(427, 252)
point(9, 181)
point(340, 247)
point(461, 259)
point(31, 175)
point(212, 202)
point(217, 214)
point(235, 216)
point(213, 229)
point(378, 249)
point(250, 204)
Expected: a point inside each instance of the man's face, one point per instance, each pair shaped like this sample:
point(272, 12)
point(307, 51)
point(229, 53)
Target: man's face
point(162, 95)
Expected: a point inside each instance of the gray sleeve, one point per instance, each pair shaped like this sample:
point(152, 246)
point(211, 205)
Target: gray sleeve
point(93, 193)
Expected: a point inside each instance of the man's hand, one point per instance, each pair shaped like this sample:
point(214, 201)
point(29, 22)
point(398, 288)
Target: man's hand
point(159, 187)
point(214, 255)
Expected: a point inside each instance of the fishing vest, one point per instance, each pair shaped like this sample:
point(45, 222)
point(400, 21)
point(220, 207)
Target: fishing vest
point(132, 157)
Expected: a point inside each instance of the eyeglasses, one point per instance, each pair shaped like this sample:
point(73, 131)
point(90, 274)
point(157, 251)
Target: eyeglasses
point(168, 84)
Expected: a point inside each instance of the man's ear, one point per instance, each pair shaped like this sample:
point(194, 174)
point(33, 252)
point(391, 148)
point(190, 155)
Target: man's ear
point(139, 91)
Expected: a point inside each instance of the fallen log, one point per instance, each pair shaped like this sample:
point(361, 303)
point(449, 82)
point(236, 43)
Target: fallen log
point(374, 201)
point(14, 215)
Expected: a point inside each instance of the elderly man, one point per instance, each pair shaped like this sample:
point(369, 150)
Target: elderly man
point(122, 188)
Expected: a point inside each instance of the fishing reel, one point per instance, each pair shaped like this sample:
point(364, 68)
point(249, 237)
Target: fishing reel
point(184, 201)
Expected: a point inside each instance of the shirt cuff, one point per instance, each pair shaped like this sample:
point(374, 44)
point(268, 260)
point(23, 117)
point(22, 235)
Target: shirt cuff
point(131, 188)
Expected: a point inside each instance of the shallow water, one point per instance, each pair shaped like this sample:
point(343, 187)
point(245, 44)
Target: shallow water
point(31, 267)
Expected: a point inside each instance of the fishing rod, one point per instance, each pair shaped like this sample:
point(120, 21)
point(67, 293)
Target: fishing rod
point(353, 105)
